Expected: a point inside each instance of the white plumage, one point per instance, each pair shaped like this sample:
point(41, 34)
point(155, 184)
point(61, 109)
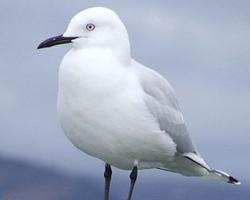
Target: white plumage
point(116, 109)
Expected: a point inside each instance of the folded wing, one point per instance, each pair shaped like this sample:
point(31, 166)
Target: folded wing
point(163, 105)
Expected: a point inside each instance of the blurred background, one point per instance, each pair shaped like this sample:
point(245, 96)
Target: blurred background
point(201, 47)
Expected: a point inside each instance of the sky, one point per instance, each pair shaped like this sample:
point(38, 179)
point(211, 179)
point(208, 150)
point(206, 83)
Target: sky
point(201, 47)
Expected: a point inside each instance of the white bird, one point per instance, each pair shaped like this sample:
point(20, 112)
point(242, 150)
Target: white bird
point(116, 109)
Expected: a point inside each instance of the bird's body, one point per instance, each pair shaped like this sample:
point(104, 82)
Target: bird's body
point(102, 109)
point(116, 109)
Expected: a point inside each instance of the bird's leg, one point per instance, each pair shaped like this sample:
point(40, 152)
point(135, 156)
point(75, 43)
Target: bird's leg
point(133, 176)
point(107, 176)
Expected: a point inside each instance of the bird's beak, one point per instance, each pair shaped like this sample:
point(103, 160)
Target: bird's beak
point(60, 39)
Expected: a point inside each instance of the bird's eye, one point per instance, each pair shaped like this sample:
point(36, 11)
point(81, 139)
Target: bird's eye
point(90, 27)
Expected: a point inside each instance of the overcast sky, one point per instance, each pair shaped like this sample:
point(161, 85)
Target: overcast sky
point(201, 47)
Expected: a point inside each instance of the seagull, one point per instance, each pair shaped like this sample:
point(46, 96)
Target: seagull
point(115, 109)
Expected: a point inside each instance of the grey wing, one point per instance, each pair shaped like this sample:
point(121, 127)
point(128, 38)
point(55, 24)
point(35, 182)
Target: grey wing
point(162, 103)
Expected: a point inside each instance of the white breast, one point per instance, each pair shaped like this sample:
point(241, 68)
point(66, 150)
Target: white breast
point(102, 111)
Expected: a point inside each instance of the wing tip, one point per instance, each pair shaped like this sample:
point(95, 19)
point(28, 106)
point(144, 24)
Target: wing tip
point(233, 181)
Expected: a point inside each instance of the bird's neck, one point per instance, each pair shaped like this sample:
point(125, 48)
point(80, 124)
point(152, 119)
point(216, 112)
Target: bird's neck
point(121, 54)
point(94, 65)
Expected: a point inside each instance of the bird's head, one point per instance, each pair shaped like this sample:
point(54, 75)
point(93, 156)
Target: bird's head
point(93, 27)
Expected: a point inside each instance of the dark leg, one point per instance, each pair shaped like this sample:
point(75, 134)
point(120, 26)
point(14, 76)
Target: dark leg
point(107, 176)
point(133, 177)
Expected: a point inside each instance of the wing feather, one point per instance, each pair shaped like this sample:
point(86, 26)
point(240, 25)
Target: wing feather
point(163, 105)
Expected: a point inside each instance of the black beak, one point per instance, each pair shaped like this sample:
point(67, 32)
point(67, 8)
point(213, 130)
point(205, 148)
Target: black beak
point(55, 41)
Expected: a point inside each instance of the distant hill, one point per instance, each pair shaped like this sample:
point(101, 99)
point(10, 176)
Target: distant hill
point(23, 181)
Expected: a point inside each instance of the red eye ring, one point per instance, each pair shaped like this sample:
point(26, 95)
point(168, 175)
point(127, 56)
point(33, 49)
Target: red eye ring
point(90, 27)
